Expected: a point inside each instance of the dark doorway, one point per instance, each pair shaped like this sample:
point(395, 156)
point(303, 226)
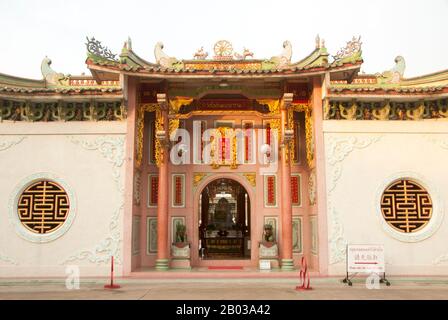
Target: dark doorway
point(224, 225)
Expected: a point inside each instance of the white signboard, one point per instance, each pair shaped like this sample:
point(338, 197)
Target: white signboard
point(365, 258)
point(265, 265)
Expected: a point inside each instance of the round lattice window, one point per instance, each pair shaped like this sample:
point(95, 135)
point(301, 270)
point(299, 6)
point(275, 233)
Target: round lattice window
point(43, 207)
point(406, 206)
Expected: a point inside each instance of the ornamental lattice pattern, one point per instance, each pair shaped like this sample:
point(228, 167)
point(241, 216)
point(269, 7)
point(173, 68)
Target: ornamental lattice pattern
point(406, 206)
point(43, 207)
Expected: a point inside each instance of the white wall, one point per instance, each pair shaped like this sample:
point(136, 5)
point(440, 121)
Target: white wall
point(362, 158)
point(88, 157)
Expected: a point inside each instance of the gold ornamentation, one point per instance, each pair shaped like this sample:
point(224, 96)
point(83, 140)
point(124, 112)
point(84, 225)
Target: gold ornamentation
point(443, 110)
point(300, 107)
point(176, 103)
point(276, 124)
point(251, 177)
point(224, 132)
point(43, 207)
point(348, 113)
point(273, 104)
point(416, 113)
point(224, 65)
point(197, 178)
point(144, 107)
point(382, 113)
point(158, 145)
point(406, 206)
point(327, 109)
point(173, 125)
point(291, 144)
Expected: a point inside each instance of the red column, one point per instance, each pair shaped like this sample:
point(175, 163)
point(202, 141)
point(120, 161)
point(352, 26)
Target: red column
point(162, 262)
point(287, 262)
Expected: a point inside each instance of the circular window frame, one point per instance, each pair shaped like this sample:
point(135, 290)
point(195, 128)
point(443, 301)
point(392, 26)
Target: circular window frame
point(437, 208)
point(14, 219)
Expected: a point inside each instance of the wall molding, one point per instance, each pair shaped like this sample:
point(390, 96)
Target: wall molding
point(8, 259)
point(337, 150)
point(112, 149)
point(5, 145)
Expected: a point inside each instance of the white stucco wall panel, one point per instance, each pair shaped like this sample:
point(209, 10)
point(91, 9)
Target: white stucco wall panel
point(92, 166)
point(360, 162)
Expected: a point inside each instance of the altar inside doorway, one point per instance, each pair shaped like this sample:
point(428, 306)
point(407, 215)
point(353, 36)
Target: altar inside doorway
point(224, 225)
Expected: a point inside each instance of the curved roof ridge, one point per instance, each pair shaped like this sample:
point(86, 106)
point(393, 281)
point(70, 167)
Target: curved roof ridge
point(6, 79)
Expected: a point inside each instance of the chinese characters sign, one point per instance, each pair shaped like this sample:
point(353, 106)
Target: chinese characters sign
point(365, 258)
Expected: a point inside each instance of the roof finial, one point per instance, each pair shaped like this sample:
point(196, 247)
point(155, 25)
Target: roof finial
point(317, 42)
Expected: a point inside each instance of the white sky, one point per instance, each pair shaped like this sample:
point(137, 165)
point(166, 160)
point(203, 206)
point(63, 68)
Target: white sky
point(30, 30)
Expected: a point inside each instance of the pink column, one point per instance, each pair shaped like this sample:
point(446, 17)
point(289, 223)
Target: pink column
point(130, 95)
point(321, 199)
point(162, 262)
point(287, 262)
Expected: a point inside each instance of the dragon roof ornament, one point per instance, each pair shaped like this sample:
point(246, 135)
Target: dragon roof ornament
point(96, 49)
point(351, 52)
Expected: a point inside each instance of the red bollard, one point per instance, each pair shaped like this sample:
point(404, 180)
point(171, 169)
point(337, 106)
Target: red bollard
point(111, 285)
point(304, 277)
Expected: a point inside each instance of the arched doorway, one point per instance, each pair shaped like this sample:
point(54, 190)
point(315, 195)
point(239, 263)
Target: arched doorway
point(224, 221)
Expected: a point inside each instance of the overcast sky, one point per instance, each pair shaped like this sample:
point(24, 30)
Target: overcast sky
point(31, 30)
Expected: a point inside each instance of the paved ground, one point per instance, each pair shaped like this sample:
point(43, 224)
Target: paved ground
point(224, 289)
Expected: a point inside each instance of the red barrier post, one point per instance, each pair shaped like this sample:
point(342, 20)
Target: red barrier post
point(111, 285)
point(304, 277)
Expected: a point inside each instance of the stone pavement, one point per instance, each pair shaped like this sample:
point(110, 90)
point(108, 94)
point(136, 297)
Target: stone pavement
point(223, 289)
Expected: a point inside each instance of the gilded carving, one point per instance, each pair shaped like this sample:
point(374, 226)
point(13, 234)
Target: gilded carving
point(224, 132)
point(35, 111)
point(382, 113)
point(173, 126)
point(176, 103)
point(417, 112)
point(146, 107)
point(251, 177)
point(348, 113)
point(273, 104)
point(386, 110)
point(309, 138)
point(197, 178)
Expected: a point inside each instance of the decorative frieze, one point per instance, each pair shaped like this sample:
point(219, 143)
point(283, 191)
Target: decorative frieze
point(34, 111)
point(386, 110)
